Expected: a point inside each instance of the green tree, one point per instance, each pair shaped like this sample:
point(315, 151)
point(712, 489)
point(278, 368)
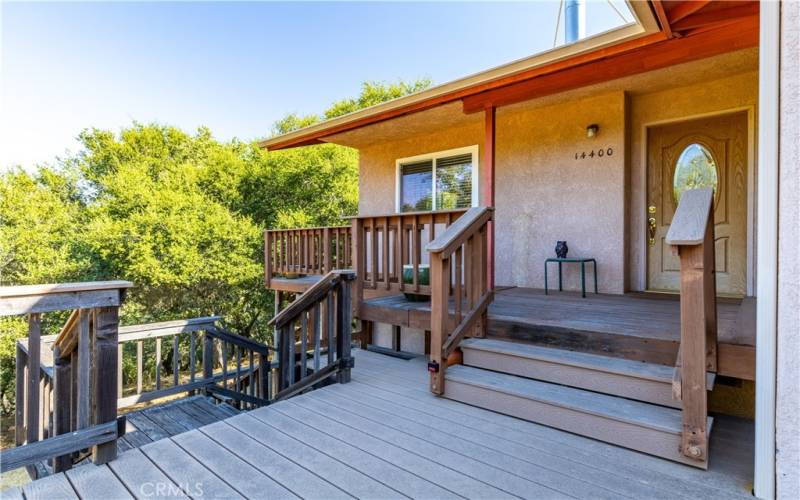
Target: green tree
point(180, 215)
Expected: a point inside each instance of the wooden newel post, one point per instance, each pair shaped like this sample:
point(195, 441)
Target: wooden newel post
point(105, 376)
point(440, 288)
point(692, 232)
point(344, 326)
point(208, 356)
point(34, 366)
point(19, 406)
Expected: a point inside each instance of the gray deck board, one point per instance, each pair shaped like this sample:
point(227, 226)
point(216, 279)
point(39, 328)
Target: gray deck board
point(143, 478)
point(243, 477)
point(186, 471)
point(379, 461)
point(54, 487)
point(483, 480)
point(337, 473)
point(385, 435)
point(94, 482)
point(571, 477)
point(719, 481)
point(299, 480)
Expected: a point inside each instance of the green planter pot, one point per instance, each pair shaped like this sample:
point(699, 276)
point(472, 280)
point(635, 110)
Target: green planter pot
point(423, 278)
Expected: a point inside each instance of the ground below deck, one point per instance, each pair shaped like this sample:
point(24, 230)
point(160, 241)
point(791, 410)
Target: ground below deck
point(384, 435)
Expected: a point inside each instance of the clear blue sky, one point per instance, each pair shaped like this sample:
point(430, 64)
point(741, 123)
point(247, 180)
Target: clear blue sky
point(237, 67)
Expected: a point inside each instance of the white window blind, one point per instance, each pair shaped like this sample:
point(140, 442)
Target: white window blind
point(436, 184)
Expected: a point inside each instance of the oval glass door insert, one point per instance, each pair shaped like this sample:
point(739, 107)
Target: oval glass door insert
point(695, 168)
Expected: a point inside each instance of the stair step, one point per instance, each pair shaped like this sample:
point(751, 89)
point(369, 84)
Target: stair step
point(647, 382)
point(632, 424)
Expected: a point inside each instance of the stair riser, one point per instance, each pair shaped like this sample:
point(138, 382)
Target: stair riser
point(651, 441)
point(646, 390)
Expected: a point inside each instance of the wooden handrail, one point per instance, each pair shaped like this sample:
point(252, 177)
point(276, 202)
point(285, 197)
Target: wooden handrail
point(457, 233)
point(310, 296)
point(459, 261)
point(30, 299)
point(691, 233)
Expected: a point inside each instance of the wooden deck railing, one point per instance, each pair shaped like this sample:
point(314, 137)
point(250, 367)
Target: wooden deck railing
point(383, 245)
point(206, 365)
point(692, 234)
point(322, 319)
point(459, 260)
point(69, 398)
point(316, 250)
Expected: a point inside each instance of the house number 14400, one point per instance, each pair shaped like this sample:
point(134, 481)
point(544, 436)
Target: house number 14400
point(591, 154)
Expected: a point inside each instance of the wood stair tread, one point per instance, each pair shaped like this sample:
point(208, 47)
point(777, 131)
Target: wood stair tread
point(619, 366)
point(625, 410)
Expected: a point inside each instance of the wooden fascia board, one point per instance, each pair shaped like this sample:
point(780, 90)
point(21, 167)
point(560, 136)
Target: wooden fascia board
point(732, 37)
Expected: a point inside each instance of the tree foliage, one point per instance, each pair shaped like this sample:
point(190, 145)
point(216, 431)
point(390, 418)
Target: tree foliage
point(180, 215)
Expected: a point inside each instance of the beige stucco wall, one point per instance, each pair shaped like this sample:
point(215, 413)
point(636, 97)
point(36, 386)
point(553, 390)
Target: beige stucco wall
point(543, 193)
point(788, 390)
point(726, 94)
point(377, 164)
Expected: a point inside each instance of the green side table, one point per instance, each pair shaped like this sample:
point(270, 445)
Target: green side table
point(582, 262)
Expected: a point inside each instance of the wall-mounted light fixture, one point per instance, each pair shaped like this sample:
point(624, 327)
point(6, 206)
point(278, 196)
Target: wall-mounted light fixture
point(591, 130)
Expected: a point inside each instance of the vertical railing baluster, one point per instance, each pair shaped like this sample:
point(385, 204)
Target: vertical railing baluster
point(20, 395)
point(139, 366)
point(303, 344)
point(120, 383)
point(416, 245)
point(192, 354)
point(251, 381)
point(225, 346)
point(316, 327)
point(176, 361)
point(158, 363)
point(292, 356)
point(238, 380)
point(330, 326)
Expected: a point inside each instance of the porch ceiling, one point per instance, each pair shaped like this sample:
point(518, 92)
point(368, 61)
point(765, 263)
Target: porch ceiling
point(450, 116)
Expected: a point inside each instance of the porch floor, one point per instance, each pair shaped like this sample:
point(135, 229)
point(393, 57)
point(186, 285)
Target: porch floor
point(385, 435)
point(642, 326)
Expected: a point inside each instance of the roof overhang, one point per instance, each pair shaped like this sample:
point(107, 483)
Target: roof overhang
point(681, 31)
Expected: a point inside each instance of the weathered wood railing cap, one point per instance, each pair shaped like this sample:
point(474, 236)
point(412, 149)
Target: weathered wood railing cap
point(315, 228)
point(405, 214)
point(689, 223)
point(467, 223)
point(314, 294)
point(25, 299)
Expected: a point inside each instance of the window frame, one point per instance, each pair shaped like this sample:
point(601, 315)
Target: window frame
point(473, 150)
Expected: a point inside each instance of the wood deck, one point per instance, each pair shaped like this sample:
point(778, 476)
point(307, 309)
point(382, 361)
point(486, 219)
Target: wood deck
point(645, 327)
point(384, 435)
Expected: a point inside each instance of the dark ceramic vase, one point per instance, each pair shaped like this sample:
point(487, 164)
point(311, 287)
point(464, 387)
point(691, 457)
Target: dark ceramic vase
point(561, 249)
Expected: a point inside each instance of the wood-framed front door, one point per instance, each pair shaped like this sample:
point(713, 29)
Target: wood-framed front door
point(701, 152)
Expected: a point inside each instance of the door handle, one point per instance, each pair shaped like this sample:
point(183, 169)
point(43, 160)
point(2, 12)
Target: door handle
point(651, 225)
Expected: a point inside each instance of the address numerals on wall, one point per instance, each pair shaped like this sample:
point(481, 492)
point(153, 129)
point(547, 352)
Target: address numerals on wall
point(595, 153)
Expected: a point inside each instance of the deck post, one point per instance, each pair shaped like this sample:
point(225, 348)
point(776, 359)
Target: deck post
point(440, 278)
point(19, 407)
point(62, 402)
point(105, 376)
point(267, 259)
point(488, 190)
point(34, 366)
point(344, 327)
point(359, 263)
